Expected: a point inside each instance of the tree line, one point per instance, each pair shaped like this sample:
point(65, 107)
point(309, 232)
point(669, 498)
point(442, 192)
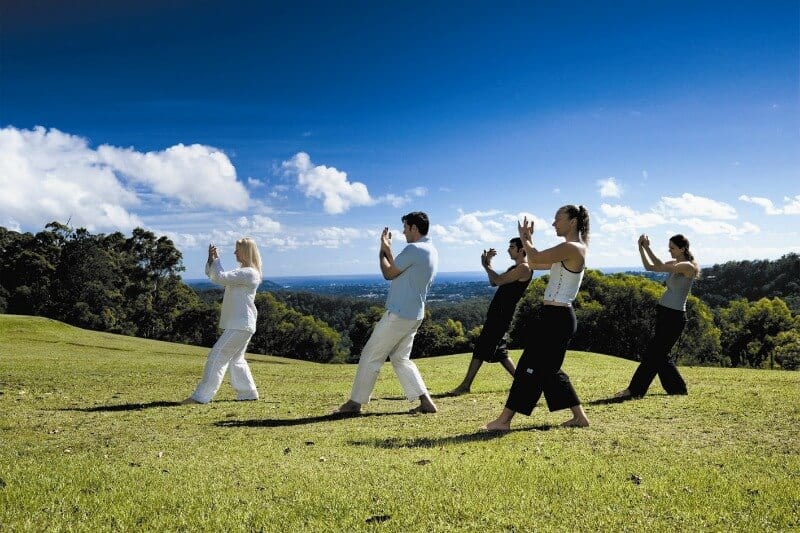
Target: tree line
point(131, 285)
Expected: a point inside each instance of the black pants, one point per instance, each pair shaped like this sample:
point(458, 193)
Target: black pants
point(656, 359)
point(539, 368)
point(491, 346)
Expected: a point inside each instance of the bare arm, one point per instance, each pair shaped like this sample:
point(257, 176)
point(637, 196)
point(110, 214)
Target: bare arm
point(652, 263)
point(544, 259)
point(520, 272)
point(386, 258)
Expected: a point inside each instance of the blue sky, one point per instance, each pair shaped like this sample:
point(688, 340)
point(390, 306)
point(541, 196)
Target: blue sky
point(312, 125)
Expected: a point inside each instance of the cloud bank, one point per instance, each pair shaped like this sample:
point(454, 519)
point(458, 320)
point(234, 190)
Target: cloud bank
point(51, 175)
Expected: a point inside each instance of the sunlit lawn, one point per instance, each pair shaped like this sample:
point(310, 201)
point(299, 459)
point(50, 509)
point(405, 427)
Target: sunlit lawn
point(91, 439)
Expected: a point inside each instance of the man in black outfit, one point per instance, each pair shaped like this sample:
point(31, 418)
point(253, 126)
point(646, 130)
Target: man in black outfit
point(491, 346)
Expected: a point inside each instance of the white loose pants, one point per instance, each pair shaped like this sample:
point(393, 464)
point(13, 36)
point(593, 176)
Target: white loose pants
point(227, 354)
point(392, 337)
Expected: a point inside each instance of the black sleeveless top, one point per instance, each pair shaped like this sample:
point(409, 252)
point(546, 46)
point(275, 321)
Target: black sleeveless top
point(505, 299)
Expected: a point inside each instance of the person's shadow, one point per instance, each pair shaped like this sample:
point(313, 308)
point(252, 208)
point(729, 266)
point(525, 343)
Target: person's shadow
point(286, 422)
point(122, 407)
point(428, 442)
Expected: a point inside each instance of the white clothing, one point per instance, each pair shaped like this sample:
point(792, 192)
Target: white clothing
point(238, 303)
point(227, 354)
point(563, 284)
point(393, 336)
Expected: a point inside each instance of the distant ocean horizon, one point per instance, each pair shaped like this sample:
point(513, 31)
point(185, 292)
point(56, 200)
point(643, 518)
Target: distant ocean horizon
point(288, 282)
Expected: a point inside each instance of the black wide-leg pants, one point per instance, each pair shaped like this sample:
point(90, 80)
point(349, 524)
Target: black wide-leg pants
point(539, 368)
point(657, 360)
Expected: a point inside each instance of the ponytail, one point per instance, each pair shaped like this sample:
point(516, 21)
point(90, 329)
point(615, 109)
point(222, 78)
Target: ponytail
point(581, 214)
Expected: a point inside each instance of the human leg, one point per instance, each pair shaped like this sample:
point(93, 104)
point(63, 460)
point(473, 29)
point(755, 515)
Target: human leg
point(226, 348)
point(407, 372)
point(383, 340)
point(241, 377)
point(542, 373)
point(669, 325)
point(466, 384)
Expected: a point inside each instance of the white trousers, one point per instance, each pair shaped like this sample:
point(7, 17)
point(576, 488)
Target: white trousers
point(227, 354)
point(392, 337)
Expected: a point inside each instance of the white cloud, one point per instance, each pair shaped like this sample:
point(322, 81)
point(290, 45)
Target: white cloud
point(791, 205)
point(627, 220)
point(695, 206)
point(609, 188)
point(333, 237)
point(50, 175)
point(483, 227)
point(196, 175)
point(623, 220)
point(399, 201)
point(718, 227)
point(258, 224)
point(331, 185)
point(253, 182)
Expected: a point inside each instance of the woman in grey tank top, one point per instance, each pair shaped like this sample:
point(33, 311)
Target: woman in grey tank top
point(670, 318)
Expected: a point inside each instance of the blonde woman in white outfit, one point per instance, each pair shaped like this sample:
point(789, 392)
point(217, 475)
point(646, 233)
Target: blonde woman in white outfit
point(238, 322)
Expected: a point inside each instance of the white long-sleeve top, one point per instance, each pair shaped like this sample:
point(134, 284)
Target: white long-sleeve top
point(238, 303)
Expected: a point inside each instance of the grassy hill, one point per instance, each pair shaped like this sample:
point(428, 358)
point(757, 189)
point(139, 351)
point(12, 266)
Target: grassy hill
point(91, 439)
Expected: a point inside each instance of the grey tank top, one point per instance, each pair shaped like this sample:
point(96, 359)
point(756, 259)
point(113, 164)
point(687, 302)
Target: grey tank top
point(678, 287)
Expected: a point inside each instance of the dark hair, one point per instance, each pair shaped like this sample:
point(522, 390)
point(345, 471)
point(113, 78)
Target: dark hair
point(582, 215)
point(418, 219)
point(683, 243)
point(516, 241)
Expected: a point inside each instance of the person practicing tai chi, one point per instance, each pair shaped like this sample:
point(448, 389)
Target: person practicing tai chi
point(411, 274)
point(491, 346)
point(670, 318)
point(238, 322)
point(539, 367)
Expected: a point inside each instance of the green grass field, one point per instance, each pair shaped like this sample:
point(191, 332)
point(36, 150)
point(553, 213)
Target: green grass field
point(91, 439)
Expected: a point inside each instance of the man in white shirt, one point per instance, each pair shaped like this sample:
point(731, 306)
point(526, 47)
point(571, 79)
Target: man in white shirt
point(411, 274)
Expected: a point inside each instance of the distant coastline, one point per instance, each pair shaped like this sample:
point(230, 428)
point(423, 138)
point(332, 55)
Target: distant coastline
point(289, 282)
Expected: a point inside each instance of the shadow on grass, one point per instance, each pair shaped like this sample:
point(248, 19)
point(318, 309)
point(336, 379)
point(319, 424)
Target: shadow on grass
point(607, 401)
point(428, 442)
point(122, 407)
point(284, 422)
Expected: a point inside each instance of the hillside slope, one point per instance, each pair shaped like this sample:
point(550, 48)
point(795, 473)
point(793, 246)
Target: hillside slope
point(92, 439)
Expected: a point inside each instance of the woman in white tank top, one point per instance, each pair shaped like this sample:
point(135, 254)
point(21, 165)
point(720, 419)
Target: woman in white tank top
point(539, 368)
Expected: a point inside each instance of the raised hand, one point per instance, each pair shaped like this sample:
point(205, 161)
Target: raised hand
point(486, 257)
point(644, 240)
point(525, 230)
point(212, 253)
point(386, 239)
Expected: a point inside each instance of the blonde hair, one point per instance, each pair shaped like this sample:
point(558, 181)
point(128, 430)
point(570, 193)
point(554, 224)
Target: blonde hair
point(248, 251)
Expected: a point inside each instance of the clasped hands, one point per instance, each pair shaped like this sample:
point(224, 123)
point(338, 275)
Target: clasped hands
point(386, 241)
point(213, 254)
point(486, 257)
point(644, 241)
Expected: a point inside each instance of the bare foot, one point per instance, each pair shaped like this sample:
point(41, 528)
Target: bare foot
point(348, 408)
point(576, 422)
point(426, 405)
point(623, 394)
point(190, 401)
point(458, 391)
point(498, 426)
